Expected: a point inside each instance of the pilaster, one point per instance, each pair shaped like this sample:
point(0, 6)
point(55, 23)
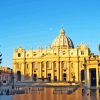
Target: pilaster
point(60, 71)
point(45, 74)
point(40, 71)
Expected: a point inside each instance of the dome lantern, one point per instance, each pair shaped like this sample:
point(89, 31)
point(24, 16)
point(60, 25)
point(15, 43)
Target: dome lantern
point(62, 31)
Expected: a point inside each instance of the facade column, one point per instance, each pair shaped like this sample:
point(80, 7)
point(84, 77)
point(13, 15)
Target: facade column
point(76, 71)
point(15, 73)
point(30, 65)
point(97, 78)
point(88, 78)
point(14, 68)
point(60, 71)
point(85, 75)
point(69, 71)
point(97, 94)
point(66, 70)
point(99, 74)
point(80, 64)
point(57, 65)
point(52, 76)
point(45, 74)
point(40, 70)
point(22, 71)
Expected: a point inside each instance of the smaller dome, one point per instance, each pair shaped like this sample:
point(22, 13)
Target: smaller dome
point(62, 40)
point(83, 46)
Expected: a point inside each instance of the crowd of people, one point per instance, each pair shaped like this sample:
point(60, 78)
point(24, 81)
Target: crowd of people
point(11, 91)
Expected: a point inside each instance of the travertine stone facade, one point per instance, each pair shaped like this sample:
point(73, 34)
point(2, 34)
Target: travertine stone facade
point(60, 62)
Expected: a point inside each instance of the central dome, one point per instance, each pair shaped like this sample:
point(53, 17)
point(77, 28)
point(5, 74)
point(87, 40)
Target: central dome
point(62, 40)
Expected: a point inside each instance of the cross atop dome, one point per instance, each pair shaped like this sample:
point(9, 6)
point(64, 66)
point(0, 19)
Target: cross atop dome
point(62, 31)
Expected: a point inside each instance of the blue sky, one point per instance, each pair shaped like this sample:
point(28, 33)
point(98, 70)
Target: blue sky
point(36, 23)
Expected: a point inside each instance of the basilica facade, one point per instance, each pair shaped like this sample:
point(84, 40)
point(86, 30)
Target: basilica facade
point(59, 62)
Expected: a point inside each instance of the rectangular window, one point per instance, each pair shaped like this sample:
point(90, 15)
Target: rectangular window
point(19, 54)
point(82, 52)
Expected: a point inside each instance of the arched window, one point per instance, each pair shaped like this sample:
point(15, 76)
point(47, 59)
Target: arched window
point(19, 54)
point(82, 52)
